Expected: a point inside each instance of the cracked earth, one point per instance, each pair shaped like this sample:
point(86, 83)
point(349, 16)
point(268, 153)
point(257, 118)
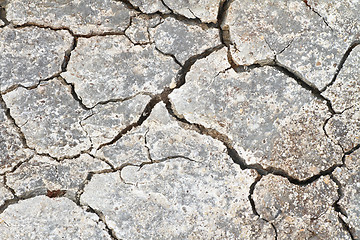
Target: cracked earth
point(163, 119)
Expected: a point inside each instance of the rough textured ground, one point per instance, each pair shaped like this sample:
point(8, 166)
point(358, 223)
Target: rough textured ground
point(187, 119)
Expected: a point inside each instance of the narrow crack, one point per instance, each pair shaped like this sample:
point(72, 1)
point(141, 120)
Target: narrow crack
point(341, 64)
point(94, 113)
point(88, 136)
point(327, 135)
point(339, 209)
point(14, 168)
point(103, 160)
point(9, 202)
point(74, 94)
point(166, 6)
point(192, 13)
point(286, 47)
point(117, 100)
point(346, 227)
point(149, 42)
point(16, 86)
point(191, 21)
point(103, 34)
point(303, 83)
point(145, 114)
point(88, 178)
point(75, 35)
point(336, 205)
point(130, 6)
point(147, 147)
point(64, 157)
point(253, 207)
point(166, 159)
point(101, 216)
point(32, 24)
point(169, 55)
point(317, 13)
point(68, 55)
point(14, 124)
point(130, 23)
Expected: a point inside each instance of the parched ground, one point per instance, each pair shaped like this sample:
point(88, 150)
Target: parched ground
point(186, 119)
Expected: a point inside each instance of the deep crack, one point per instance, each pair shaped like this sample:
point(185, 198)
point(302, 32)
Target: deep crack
point(238, 159)
point(162, 96)
point(336, 205)
point(251, 192)
point(3, 15)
